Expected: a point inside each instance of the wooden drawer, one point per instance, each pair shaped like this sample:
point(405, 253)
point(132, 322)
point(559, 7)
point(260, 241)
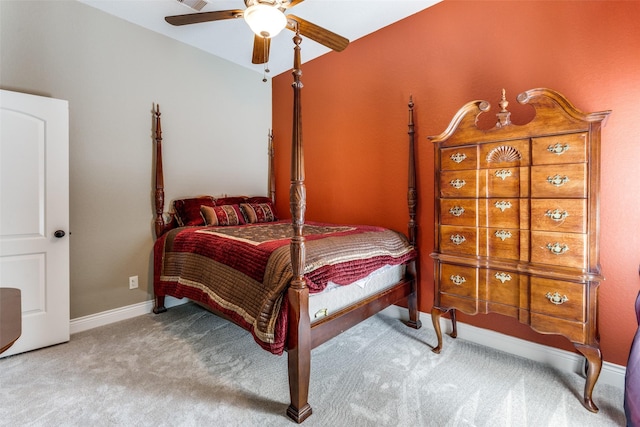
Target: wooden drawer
point(570, 148)
point(504, 154)
point(458, 240)
point(556, 298)
point(561, 181)
point(504, 182)
point(459, 212)
point(469, 306)
point(458, 280)
point(563, 249)
point(499, 243)
point(497, 213)
point(576, 332)
point(500, 212)
point(503, 287)
point(562, 215)
point(462, 183)
point(458, 158)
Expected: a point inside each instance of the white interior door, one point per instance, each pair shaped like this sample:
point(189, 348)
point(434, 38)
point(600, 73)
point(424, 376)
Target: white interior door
point(34, 209)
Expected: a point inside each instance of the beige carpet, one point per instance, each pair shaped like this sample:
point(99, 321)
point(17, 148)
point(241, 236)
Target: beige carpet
point(187, 367)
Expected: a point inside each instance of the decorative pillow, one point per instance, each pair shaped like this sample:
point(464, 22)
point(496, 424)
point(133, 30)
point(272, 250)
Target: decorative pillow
point(264, 199)
point(258, 212)
point(222, 215)
point(188, 210)
point(230, 200)
point(259, 199)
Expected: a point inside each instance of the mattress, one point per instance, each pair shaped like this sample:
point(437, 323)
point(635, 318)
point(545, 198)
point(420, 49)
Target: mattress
point(335, 297)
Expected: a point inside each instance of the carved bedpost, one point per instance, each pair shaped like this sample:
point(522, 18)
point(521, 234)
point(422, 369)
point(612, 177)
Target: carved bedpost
point(159, 196)
point(271, 185)
point(412, 201)
point(160, 225)
point(412, 195)
point(299, 336)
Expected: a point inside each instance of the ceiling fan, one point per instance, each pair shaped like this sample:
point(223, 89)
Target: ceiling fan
point(266, 19)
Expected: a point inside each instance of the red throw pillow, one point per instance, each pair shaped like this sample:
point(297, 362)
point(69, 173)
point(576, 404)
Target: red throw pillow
point(188, 210)
point(230, 200)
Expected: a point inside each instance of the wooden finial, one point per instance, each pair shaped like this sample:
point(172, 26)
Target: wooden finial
point(504, 116)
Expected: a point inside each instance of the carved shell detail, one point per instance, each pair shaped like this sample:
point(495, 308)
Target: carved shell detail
point(504, 153)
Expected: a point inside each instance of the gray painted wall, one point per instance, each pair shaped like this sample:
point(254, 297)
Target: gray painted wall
point(216, 116)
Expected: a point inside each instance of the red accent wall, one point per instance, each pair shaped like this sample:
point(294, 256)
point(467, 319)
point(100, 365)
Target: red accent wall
point(354, 110)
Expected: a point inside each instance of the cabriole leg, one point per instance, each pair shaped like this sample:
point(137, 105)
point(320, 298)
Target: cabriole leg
point(435, 317)
point(436, 313)
point(454, 324)
point(594, 366)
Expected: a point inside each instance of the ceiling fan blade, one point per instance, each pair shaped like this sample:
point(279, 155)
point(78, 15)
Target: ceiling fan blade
point(196, 18)
point(317, 33)
point(261, 46)
point(292, 3)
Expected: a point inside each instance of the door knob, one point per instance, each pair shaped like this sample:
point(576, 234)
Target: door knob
point(59, 233)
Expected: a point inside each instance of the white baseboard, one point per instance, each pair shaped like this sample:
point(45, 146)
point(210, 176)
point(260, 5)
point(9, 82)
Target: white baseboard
point(562, 360)
point(91, 321)
point(611, 374)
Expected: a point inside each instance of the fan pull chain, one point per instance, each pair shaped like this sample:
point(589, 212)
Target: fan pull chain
point(266, 63)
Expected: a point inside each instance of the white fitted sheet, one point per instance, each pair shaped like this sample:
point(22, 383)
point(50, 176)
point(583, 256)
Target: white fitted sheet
point(336, 297)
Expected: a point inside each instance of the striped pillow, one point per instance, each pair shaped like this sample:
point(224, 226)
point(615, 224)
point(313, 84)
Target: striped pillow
point(222, 215)
point(258, 212)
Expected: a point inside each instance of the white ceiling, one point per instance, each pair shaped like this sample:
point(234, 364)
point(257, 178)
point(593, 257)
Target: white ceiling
point(233, 40)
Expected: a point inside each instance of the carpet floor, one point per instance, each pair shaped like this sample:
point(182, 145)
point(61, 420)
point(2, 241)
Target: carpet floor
point(188, 367)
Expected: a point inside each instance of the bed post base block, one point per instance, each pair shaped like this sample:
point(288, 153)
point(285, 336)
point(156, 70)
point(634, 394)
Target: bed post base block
point(158, 310)
point(414, 324)
point(299, 415)
point(412, 299)
point(159, 305)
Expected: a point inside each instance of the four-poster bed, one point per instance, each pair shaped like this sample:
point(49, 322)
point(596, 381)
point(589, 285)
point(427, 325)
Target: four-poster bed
point(225, 264)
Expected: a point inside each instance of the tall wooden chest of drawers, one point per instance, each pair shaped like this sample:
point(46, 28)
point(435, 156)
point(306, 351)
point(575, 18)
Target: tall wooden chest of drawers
point(517, 221)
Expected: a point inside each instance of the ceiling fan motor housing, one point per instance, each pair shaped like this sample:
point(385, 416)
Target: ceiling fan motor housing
point(265, 18)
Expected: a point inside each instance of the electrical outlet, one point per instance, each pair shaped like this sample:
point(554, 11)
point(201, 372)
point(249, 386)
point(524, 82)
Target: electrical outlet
point(133, 282)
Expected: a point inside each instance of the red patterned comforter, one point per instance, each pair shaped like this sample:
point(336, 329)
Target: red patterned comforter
point(243, 271)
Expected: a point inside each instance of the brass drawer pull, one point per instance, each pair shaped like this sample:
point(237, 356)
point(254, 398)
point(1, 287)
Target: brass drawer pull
point(502, 205)
point(557, 180)
point(457, 279)
point(558, 148)
point(556, 298)
point(503, 277)
point(457, 239)
point(557, 215)
point(458, 157)
point(458, 183)
point(503, 234)
point(456, 210)
point(557, 248)
point(503, 174)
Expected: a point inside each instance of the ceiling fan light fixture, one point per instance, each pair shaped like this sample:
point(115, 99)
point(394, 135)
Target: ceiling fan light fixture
point(265, 20)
